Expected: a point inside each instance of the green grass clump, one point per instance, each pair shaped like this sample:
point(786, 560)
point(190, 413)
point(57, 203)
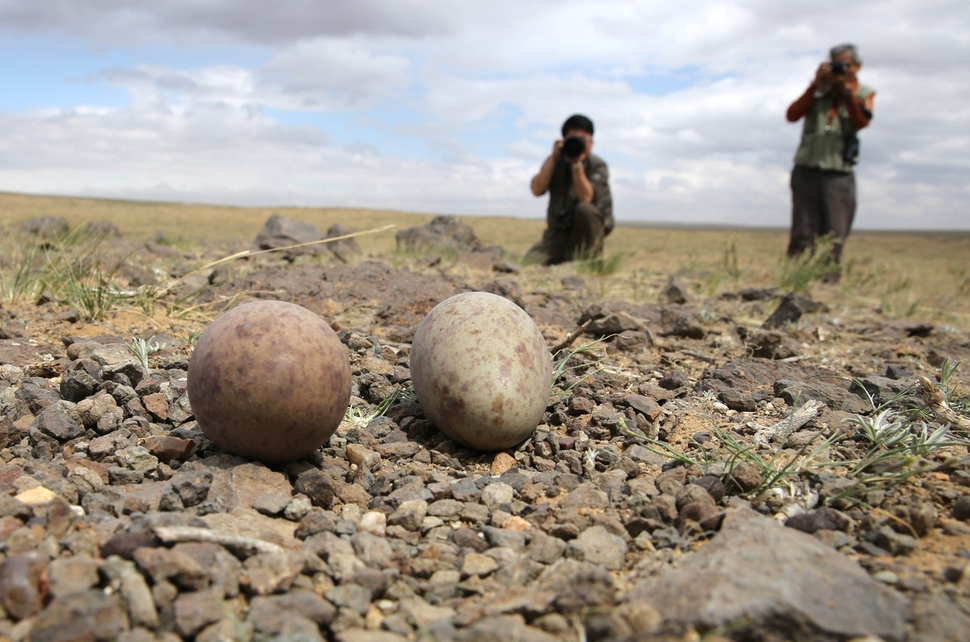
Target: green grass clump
point(21, 271)
point(586, 262)
point(564, 362)
point(69, 266)
point(800, 273)
point(142, 349)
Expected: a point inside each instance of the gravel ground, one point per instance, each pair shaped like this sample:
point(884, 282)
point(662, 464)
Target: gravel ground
point(702, 468)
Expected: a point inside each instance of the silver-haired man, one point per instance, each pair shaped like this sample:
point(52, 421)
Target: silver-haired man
point(835, 107)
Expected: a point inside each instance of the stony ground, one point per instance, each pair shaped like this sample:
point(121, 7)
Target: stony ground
point(702, 469)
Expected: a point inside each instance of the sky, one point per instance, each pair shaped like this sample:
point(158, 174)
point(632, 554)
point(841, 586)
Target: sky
point(451, 107)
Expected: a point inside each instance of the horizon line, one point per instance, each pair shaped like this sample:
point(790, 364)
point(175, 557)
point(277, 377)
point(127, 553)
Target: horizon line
point(619, 222)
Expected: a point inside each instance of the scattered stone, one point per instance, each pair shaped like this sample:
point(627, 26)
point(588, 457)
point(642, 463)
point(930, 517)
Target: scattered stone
point(496, 494)
point(502, 463)
point(272, 502)
point(788, 311)
point(680, 322)
point(194, 611)
point(57, 421)
point(597, 545)
point(23, 585)
point(585, 496)
point(673, 292)
point(409, 514)
point(90, 615)
point(614, 324)
point(823, 518)
point(317, 486)
point(746, 476)
point(772, 344)
point(46, 227)
point(279, 231)
point(373, 522)
point(268, 573)
point(442, 234)
point(478, 564)
point(71, 575)
point(134, 591)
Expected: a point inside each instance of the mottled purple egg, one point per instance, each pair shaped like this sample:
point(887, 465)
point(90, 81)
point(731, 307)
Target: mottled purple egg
point(269, 380)
point(481, 370)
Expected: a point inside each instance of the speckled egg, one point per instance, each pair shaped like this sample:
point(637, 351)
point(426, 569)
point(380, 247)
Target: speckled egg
point(481, 370)
point(269, 380)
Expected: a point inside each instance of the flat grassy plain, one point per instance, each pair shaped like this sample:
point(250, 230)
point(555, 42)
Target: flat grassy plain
point(898, 275)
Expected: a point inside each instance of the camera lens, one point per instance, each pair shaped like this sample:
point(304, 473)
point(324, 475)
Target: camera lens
point(838, 68)
point(573, 147)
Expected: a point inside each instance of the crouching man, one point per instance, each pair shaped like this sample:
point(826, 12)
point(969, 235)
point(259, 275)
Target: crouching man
point(580, 212)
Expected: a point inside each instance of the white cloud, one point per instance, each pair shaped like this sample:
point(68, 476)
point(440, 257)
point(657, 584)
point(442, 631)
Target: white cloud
point(484, 87)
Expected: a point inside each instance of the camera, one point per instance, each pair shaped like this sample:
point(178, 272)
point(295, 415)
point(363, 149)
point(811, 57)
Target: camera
point(850, 150)
point(573, 147)
point(838, 68)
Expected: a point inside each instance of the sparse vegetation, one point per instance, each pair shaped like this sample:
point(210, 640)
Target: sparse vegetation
point(894, 467)
point(567, 362)
point(885, 449)
point(799, 273)
point(606, 265)
point(143, 349)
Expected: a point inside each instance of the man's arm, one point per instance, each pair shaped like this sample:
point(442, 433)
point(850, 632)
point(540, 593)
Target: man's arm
point(804, 102)
point(860, 114)
point(584, 189)
point(540, 182)
point(801, 105)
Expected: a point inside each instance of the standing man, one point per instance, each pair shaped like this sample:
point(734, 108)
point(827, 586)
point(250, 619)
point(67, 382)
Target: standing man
point(580, 211)
point(835, 106)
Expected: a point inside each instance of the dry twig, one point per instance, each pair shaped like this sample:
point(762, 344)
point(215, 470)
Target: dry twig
point(797, 419)
point(249, 545)
point(937, 405)
point(570, 338)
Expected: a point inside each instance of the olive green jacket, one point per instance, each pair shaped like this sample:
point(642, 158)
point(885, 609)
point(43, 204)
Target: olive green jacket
point(823, 136)
point(562, 192)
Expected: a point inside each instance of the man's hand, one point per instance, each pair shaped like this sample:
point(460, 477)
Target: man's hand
point(823, 75)
point(557, 149)
point(540, 182)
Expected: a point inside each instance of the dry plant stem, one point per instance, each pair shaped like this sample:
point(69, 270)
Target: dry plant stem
point(700, 356)
point(176, 534)
point(797, 419)
point(248, 253)
point(937, 405)
point(570, 338)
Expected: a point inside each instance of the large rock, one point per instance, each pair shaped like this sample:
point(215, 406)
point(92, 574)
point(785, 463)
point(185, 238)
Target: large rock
point(90, 615)
point(740, 384)
point(781, 580)
point(344, 248)
point(443, 233)
point(788, 311)
point(279, 231)
point(46, 227)
point(681, 322)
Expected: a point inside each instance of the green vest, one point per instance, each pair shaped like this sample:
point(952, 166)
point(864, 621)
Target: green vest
point(823, 141)
point(562, 192)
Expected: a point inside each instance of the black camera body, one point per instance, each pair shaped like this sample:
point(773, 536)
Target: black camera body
point(573, 147)
point(850, 150)
point(838, 68)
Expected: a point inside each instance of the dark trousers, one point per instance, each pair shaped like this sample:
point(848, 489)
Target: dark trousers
point(823, 202)
point(583, 238)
